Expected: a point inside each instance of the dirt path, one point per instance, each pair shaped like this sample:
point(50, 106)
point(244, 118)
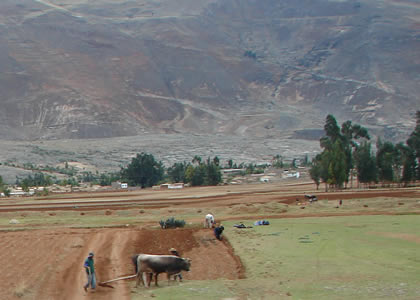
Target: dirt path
point(60, 256)
point(111, 260)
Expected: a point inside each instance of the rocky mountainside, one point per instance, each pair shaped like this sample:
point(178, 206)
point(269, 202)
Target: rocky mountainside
point(107, 68)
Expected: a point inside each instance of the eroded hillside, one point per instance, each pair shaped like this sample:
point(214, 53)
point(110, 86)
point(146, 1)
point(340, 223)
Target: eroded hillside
point(84, 69)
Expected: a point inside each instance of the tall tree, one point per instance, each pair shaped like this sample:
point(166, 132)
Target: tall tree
point(315, 171)
point(323, 161)
point(414, 141)
point(365, 164)
point(196, 175)
point(409, 163)
point(331, 129)
point(177, 172)
point(337, 165)
point(189, 174)
point(214, 176)
point(332, 135)
point(338, 148)
point(349, 134)
point(143, 171)
point(386, 159)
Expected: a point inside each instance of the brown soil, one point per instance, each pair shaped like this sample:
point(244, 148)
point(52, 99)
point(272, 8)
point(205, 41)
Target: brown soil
point(47, 264)
point(402, 236)
point(224, 196)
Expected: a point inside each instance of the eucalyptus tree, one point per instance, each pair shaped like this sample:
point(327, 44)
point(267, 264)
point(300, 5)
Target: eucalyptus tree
point(414, 141)
point(386, 160)
point(205, 173)
point(365, 163)
point(338, 147)
point(213, 174)
point(349, 134)
point(177, 171)
point(409, 163)
point(315, 170)
point(331, 143)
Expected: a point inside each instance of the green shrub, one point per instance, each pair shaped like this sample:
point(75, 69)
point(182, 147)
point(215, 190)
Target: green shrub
point(171, 223)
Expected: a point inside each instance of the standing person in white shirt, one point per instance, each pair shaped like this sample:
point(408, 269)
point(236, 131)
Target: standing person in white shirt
point(209, 222)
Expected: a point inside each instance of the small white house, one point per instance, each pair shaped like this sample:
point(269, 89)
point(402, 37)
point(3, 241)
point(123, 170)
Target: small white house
point(172, 186)
point(119, 185)
point(265, 179)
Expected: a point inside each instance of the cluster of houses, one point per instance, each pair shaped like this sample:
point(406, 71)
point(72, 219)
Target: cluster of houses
point(234, 176)
point(230, 176)
point(18, 191)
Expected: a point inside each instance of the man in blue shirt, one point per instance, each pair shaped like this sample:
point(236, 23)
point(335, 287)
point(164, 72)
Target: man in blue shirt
point(90, 271)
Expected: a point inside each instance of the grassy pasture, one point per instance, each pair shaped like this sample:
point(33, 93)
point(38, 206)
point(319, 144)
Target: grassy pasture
point(355, 257)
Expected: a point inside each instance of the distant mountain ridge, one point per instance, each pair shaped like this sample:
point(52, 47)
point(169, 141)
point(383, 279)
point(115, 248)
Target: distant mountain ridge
point(93, 69)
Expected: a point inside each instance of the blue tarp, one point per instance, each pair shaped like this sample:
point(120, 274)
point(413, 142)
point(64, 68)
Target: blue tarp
point(262, 222)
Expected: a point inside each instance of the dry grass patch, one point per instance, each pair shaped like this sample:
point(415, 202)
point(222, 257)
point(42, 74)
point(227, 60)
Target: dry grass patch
point(22, 289)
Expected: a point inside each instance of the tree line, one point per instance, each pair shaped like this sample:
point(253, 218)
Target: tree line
point(145, 171)
point(347, 153)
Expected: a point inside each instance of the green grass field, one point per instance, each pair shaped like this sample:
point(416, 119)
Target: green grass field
point(357, 257)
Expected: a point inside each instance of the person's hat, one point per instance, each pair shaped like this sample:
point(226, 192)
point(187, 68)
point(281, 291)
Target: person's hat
point(91, 254)
point(172, 250)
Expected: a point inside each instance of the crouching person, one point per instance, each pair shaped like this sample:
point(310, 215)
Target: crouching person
point(218, 232)
point(175, 253)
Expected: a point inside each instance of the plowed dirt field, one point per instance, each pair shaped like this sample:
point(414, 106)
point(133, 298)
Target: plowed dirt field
point(47, 264)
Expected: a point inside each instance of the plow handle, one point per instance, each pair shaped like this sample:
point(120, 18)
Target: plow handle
point(119, 278)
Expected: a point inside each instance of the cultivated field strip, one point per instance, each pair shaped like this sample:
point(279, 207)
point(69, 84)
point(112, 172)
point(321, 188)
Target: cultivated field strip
point(187, 197)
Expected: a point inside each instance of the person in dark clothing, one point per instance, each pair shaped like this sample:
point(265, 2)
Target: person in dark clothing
point(90, 271)
point(218, 232)
point(134, 260)
point(174, 252)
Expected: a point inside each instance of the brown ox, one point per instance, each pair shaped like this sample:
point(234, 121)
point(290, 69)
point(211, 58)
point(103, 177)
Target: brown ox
point(156, 264)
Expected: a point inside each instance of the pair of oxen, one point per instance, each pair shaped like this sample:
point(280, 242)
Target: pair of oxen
point(147, 265)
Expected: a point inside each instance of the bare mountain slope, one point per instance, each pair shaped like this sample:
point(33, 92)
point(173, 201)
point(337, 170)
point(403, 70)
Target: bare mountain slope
point(91, 69)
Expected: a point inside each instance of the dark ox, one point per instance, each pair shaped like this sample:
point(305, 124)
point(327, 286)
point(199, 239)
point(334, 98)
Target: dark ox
point(156, 264)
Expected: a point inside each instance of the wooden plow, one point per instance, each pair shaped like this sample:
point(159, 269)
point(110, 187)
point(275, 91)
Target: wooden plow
point(106, 283)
